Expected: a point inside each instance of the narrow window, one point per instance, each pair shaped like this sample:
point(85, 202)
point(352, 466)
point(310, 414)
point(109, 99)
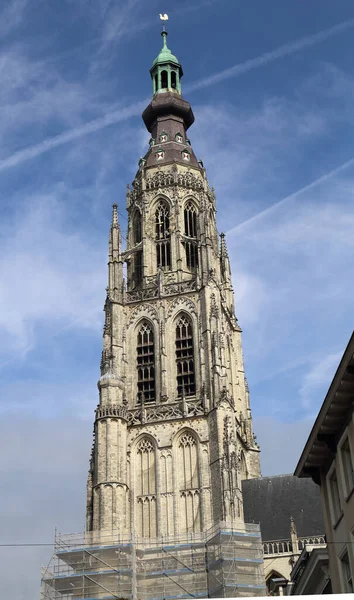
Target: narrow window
point(347, 466)
point(138, 256)
point(138, 267)
point(156, 84)
point(336, 503)
point(164, 81)
point(190, 231)
point(346, 572)
point(137, 228)
point(145, 472)
point(163, 243)
point(173, 79)
point(189, 492)
point(146, 364)
point(185, 358)
point(160, 154)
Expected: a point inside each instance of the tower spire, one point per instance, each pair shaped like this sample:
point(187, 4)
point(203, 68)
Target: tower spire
point(166, 72)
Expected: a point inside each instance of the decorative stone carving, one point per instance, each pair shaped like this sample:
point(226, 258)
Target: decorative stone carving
point(165, 412)
point(111, 411)
point(182, 303)
point(159, 179)
point(144, 310)
point(107, 329)
point(189, 180)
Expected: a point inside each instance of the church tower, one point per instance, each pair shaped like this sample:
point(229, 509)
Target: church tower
point(173, 430)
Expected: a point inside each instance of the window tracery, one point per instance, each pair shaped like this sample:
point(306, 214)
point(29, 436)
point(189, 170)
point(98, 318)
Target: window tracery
point(189, 482)
point(146, 364)
point(146, 488)
point(185, 357)
point(137, 259)
point(162, 236)
point(190, 231)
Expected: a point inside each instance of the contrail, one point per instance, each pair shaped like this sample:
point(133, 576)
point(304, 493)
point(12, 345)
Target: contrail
point(132, 111)
point(292, 196)
point(73, 134)
point(264, 59)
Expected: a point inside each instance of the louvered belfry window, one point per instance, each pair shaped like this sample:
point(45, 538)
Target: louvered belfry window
point(163, 243)
point(190, 231)
point(138, 256)
point(146, 364)
point(185, 357)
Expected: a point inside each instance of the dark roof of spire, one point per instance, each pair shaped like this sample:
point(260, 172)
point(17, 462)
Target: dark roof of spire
point(165, 55)
point(272, 501)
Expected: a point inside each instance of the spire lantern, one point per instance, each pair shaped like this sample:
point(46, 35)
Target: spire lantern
point(166, 72)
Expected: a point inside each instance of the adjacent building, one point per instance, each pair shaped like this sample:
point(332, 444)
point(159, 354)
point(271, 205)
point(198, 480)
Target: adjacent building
point(328, 458)
point(288, 510)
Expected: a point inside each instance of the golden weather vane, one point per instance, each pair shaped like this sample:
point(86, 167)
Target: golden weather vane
point(164, 18)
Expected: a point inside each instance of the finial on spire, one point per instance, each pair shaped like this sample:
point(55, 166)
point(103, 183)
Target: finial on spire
point(115, 215)
point(164, 18)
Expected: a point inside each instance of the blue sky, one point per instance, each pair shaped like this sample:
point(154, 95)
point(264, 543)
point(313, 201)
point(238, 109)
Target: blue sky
point(272, 89)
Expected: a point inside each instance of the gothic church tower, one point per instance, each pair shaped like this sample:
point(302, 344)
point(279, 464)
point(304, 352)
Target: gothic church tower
point(173, 430)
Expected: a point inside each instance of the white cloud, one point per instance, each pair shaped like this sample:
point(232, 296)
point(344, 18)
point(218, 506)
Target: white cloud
point(52, 275)
point(318, 378)
point(268, 57)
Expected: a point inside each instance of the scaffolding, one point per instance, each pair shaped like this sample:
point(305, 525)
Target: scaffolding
point(223, 562)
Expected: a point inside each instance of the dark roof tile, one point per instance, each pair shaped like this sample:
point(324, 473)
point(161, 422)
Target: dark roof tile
point(271, 501)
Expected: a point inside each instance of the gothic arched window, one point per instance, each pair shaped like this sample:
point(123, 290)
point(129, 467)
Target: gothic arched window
point(164, 79)
point(190, 231)
point(146, 488)
point(137, 258)
point(162, 236)
point(189, 482)
point(244, 471)
point(185, 357)
point(146, 363)
point(137, 228)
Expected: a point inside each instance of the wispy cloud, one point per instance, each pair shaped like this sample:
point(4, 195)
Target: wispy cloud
point(317, 378)
point(117, 116)
point(42, 281)
point(291, 197)
point(268, 57)
point(135, 109)
point(11, 16)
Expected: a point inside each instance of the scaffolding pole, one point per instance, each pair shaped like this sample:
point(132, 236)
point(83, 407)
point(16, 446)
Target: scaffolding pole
point(225, 561)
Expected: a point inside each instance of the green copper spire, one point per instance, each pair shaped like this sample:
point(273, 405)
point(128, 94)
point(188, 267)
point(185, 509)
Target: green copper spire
point(165, 55)
point(166, 72)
